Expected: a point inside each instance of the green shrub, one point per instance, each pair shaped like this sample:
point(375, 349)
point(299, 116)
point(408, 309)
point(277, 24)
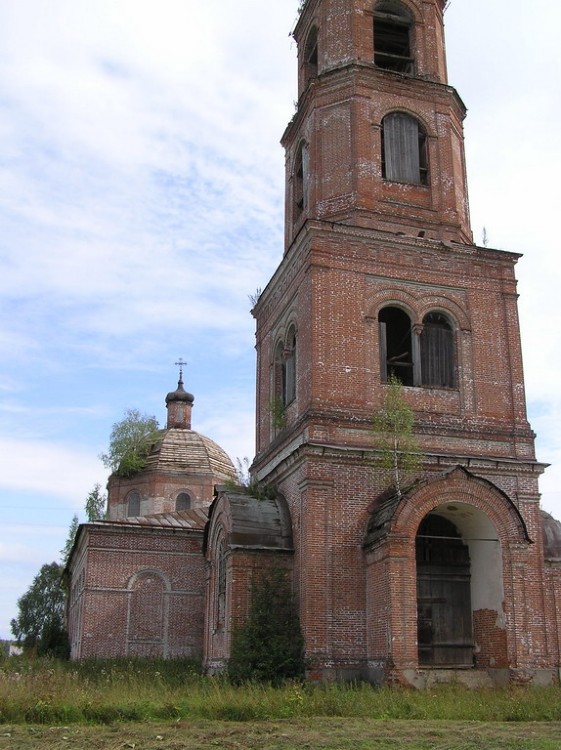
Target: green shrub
point(269, 646)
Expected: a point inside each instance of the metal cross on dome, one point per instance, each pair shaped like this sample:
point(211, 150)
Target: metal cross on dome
point(180, 363)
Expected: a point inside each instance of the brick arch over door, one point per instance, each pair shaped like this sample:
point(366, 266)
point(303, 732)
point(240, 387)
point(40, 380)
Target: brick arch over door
point(460, 485)
point(488, 525)
point(487, 522)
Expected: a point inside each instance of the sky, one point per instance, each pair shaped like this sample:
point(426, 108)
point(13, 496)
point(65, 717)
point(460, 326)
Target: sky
point(142, 196)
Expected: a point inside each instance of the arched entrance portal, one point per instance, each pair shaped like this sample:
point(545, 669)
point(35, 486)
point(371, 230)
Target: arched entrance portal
point(436, 584)
point(444, 611)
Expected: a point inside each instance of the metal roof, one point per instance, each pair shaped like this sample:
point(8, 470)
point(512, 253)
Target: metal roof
point(182, 519)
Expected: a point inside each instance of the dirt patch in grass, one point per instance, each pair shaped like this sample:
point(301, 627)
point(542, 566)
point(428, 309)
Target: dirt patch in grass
point(312, 734)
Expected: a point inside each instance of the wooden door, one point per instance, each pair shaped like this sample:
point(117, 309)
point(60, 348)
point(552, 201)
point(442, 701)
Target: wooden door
point(444, 620)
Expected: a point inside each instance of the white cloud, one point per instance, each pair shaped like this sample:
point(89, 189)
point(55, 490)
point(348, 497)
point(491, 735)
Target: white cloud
point(64, 472)
point(23, 543)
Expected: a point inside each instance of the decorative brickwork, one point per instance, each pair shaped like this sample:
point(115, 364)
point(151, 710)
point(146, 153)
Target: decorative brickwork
point(137, 592)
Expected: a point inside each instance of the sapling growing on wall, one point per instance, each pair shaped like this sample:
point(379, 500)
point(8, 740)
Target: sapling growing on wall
point(278, 414)
point(96, 504)
point(95, 507)
point(249, 485)
point(130, 442)
point(397, 457)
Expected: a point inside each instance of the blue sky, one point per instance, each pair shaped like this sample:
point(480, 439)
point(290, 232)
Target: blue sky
point(142, 203)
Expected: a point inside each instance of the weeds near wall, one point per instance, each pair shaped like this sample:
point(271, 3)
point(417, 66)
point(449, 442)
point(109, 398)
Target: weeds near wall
point(105, 692)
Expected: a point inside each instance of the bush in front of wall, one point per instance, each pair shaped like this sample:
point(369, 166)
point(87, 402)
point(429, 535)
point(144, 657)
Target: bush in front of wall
point(269, 646)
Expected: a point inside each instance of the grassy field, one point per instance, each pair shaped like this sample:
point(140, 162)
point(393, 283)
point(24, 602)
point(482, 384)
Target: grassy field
point(169, 705)
point(309, 734)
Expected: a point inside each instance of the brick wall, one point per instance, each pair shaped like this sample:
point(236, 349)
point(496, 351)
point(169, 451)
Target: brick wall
point(138, 593)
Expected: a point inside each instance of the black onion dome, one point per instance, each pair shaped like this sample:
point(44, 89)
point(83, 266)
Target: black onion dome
point(180, 394)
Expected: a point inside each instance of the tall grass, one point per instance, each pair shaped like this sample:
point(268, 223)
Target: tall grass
point(50, 692)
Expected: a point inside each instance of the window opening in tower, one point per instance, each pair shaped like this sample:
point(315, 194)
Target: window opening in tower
point(392, 45)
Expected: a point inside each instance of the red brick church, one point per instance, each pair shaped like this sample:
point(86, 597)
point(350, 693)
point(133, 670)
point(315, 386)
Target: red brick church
point(458, 578)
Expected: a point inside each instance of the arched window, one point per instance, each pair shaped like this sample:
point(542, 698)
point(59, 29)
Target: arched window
point(311, 55)
point(133, 504)
point(396, 350)
point(146, 607)
point(300, 180)
point(183, 501)
point(437, 352)
point(290, 367)
point(278, 386)
point(392, 37)
point(285, 369)
point(404, 149)
point(424, 357)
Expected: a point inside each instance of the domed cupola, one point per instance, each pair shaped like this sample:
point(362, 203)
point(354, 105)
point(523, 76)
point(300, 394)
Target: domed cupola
point(180, 470)
point(179, 404)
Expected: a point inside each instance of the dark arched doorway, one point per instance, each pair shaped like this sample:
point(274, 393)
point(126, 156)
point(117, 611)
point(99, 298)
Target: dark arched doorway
point(444, 615)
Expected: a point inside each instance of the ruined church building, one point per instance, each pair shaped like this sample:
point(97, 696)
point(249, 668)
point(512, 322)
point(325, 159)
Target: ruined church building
point(459, 577)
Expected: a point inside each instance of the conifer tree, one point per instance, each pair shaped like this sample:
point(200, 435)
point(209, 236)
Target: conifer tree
point(72, 531)
point(269, 646)
point(96, 504)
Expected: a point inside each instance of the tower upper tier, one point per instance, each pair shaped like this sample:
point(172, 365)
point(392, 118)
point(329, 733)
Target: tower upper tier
point(377, 138)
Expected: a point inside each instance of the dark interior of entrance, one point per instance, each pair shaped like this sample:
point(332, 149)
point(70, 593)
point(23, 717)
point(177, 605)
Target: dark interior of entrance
point(444, 618)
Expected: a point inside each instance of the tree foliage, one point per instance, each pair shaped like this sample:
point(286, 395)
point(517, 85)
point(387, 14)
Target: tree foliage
point(39, 626)
point(72, 531)
point(269, 646)
point(398, 458)
point(247, 484)
point(96, 504)
point(130, 442)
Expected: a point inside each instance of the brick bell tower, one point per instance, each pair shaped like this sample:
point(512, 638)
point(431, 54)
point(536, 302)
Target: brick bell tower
point(380, 276)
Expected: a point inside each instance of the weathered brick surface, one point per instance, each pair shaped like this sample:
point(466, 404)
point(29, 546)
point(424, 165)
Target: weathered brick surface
point(359, 244)
point(136, 592)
